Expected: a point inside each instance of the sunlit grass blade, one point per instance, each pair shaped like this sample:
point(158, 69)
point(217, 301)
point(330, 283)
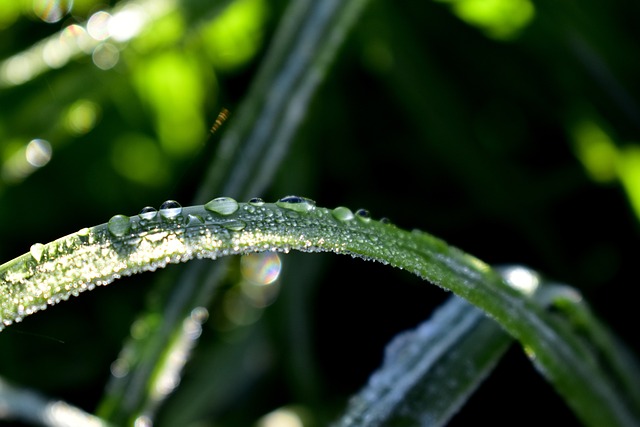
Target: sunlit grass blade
point(102, 254)
point(429, 373)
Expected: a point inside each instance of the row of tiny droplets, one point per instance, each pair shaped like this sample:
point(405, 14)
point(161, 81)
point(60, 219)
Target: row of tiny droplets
point(171, 210)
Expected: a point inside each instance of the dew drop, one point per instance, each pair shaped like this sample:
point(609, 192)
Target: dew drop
point(363, 215)
point(119, 225)
point(235, 225)
point(36, 251)
point(170, 209)
point(222, 205)
point(148, 213)
point(296, 203)
point(256, 201)
point(194, 220)
point(342, 214)
point(83, 232)
point(385, 220)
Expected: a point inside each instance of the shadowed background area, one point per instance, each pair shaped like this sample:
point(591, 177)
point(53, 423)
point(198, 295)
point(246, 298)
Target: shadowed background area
point(507, 128)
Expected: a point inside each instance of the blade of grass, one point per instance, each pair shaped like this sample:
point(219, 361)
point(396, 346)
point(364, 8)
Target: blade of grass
point(429, 373)
point(30, 407)
point(100, 255)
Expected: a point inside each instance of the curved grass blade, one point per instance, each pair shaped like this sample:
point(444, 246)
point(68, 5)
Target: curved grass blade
point(429, 372)
point(106, 252)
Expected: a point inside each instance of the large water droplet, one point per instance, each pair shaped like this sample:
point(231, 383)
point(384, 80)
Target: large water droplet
point(148, 213)
point(36, 251)
point(521, 278)
point(235, 225)
point(222, 205)
point(256, 201)
point(119, 225)
point(170, 209)
point(363, 214)
point(296, 203)
point(342, 214)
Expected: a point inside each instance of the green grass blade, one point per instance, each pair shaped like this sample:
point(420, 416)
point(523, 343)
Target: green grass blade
point(106, 252)
point(429, 372)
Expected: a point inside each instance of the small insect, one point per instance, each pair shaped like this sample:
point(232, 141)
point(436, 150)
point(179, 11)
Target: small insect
point(222, 117)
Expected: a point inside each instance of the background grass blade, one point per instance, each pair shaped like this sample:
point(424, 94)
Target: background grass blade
point(429, 373)
point(30, 407)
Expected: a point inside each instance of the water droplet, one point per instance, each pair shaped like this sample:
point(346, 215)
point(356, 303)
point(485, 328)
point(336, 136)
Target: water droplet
point(363, 215)
point(36, 251)
point(235, 225)
point(342, 214)
point(83, 232)
point(170, 209)
point(521, 278)
point(119, 225)
point(256, 201)
point(385, 220)
point(296, 203)
point(194, 220)
point(222, 205)
point(148, 213)
point(199, 315)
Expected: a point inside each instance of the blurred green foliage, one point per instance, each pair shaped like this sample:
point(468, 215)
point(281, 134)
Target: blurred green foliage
point(510, 129)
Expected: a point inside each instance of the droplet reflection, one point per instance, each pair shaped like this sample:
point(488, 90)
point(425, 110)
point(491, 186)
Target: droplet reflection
point(263, 268)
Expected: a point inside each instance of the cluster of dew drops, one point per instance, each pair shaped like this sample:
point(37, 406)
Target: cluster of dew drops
point(171, 211)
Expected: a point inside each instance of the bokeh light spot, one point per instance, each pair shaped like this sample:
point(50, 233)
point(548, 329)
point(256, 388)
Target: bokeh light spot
point(262, 268)
point(51, 11)
point(499, 19)
point(56, 53)
point(105, 56)
point(98, 25)
point(628, 168)
point(596, 151)
point(138, 158)
point(234, 37)
point(38, 153)
point(126, 24)
point(76, 36)
point(82, 116)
